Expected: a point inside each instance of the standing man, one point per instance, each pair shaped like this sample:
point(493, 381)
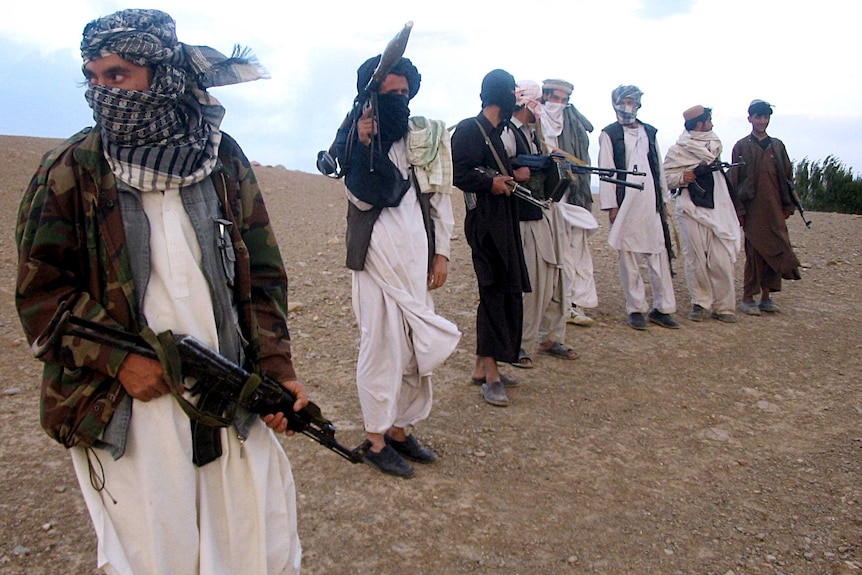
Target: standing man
point(564, 128)
point(706, 217)
point(636, 215)
point(763, 203)
point(544, 311)
point(398, 254)
point(491, 227)
point(153, 219)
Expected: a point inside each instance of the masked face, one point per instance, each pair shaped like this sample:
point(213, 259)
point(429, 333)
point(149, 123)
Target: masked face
point(392, 101)
point(507, 105)
point(627, 111)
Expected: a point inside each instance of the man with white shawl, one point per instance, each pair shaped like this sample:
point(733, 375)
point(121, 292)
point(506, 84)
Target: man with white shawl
point(564, 128)
point(398, 254)
point(705, 216)
point(636, 215)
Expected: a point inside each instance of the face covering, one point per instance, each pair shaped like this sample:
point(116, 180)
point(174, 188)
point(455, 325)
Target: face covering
point(394, 114)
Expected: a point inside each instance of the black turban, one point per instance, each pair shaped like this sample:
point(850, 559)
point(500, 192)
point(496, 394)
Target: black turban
point(498, 87)
point(404, 68)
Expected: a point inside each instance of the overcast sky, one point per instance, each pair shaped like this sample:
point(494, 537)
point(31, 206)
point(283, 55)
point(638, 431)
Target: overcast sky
point(802, 57)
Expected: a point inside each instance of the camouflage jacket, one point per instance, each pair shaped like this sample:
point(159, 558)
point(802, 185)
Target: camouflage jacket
point(72, 248)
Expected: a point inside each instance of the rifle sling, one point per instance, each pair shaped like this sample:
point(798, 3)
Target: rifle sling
point(205, 418)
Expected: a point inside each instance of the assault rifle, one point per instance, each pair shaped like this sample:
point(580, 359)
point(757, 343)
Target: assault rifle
point(519, 191)
point(221, 384)
point(714, 166)
point(794, 195)
point(328, 162)
point(610, 175)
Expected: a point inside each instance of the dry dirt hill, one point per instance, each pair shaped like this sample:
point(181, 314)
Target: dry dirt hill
point(713, 449)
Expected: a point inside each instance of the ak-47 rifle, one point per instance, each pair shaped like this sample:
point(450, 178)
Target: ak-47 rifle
point(794, 195)
point(610, 175)
point(519, 191)
point(715, 166)
point(328, 161)
point(221, 384)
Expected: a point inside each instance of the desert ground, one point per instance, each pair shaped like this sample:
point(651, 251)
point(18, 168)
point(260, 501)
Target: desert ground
point(712, 449)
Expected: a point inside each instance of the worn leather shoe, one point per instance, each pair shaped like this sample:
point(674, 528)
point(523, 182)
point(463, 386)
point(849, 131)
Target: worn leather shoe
point(637, 320)
point(749, 307)
point(663, 319)
point(495, 393)
point(388, 461)
point(725, 317)
point(698, 313)
point(412, 449)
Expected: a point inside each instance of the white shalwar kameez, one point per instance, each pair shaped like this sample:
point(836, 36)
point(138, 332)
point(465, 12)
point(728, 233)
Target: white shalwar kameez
point(711, 238)
point(236, 514)
point(544, 310)
point(579, 283)
point(402, 339)
point(637, 233)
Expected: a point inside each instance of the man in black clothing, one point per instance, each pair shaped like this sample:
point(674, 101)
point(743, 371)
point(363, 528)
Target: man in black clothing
point(492, 230)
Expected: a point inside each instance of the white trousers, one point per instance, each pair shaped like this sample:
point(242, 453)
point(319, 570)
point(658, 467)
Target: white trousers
point(578, 282)
point(236, 514)
point(709, 267)
point(544, 311)
point(634, 289)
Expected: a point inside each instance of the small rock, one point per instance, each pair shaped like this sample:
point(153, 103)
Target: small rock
point(20, 550)
point(46, 526)
point(12, 391)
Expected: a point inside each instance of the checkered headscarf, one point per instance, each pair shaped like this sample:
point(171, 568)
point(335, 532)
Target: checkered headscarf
point(167, 136)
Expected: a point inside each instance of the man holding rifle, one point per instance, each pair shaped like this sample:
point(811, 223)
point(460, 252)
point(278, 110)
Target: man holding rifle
point(399, 252)
point(636, 215)
point(491, 227)
point(763, 203)
point(564, 128)
point(153, 220)
point(706, 217)
point(541, 236)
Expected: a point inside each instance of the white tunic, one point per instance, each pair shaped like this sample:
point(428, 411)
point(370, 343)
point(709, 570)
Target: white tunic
point(234, 515)
point(637, 227)
point(402, 339)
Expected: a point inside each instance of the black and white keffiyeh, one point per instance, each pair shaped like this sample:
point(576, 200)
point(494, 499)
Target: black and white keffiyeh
point(168, 136)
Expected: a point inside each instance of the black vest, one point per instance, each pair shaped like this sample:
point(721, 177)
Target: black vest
point(618, 141)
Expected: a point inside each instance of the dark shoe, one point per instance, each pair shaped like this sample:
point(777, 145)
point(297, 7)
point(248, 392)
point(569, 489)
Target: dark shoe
point(557, 349)
point(724, 317)
point(768, 305)
point(749, 308)
point(508, 380)
point(663, 319)
point(698, 313)
point(388, 461)
point(524, 360)
point(495, 393)
point(412, 449)
point(637, 320)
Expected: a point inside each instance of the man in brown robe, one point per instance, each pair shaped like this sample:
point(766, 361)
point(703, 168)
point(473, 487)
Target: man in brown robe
point(763, 203)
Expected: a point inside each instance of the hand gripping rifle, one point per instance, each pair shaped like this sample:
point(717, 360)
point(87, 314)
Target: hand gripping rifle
point(715, 166)
point(221, 384)
point(328, 162)
point(519, 191)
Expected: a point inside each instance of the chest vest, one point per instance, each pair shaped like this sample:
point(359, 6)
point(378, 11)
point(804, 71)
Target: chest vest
point(618, 142)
